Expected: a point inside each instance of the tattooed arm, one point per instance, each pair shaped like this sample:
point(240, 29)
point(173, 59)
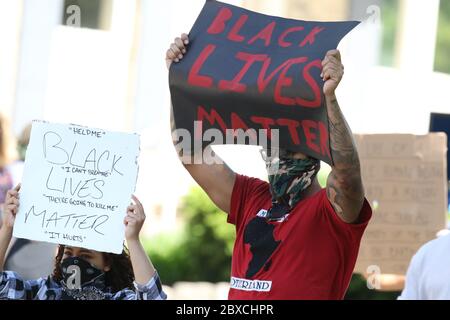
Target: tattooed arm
point(344, 185)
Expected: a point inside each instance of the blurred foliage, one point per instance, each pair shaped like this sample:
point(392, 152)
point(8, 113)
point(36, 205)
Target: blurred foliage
point(389, 17)
point(323, 173)
point(358, 291)
point(202, 250)
point(442, 61)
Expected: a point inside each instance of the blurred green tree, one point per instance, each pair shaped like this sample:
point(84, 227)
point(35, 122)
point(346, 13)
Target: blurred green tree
point(358, 290)
point(389, 20)
point(442, 61)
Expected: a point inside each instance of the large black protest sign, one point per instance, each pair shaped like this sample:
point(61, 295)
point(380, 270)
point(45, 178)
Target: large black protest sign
point(245, 70)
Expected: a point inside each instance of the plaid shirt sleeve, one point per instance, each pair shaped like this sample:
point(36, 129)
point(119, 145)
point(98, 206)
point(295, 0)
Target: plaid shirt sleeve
point(13, 287)
point(150, 291)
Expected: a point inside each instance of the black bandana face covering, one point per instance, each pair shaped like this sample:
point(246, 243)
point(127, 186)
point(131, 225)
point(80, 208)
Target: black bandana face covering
point(81, 280)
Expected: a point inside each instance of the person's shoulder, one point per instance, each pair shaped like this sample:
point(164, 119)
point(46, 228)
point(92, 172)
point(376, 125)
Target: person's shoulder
point(51, 281)
point(251, 185)
point(248, 194)
point(8, 275)
point(316, 196)
point(313, 201)
point(441, 243)
point(46, 281)
point(124, 294)
point(250, 180)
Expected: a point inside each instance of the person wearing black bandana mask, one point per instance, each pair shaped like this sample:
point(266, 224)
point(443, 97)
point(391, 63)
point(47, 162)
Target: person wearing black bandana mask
point(82, 274)
point(294, 240)
point(81, 279)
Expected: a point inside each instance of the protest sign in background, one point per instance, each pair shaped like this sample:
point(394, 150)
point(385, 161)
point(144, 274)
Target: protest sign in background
point(248, 70)
point(405, 181)
point(77, 185)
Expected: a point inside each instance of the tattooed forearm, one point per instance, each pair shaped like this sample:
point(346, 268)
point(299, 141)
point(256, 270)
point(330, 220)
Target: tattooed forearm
point(344, 185)
point(343, 148)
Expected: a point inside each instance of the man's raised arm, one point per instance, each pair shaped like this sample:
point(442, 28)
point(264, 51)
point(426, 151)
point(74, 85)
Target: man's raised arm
point(344, 185)
point(216, 179)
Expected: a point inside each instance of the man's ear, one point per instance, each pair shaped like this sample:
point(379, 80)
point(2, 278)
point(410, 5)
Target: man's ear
point(107, 268)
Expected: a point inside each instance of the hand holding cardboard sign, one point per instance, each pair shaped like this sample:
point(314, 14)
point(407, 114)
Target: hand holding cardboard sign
point(134, 220)
point(11, 207)
point(177, 49)
point(332, 71)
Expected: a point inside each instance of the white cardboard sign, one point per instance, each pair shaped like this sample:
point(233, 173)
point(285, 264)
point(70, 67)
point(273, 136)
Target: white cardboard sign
point(76, 186)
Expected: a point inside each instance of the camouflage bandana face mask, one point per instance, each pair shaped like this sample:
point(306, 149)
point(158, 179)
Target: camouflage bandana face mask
point(288, 181)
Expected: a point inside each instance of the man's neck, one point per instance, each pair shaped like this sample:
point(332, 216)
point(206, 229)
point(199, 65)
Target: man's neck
point(312, 189)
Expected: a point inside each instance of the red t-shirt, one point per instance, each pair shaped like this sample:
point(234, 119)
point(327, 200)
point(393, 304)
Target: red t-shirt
point(309, 255)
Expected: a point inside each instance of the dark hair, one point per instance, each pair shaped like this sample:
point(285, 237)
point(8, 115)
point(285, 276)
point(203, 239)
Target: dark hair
point(121, 275)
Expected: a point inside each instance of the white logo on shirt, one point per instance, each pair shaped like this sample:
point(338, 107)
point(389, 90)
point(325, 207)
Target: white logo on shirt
point(262, 213)
point(250, 285)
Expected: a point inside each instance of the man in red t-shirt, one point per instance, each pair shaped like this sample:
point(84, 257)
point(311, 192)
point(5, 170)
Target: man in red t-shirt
point(294, 240)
